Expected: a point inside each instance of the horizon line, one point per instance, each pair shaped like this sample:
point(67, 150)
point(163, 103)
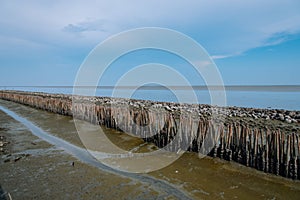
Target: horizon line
point(66, 86)
point(272, 88)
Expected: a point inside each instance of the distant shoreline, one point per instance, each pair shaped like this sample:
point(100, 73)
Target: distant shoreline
point(267, 88)
point(263, 97)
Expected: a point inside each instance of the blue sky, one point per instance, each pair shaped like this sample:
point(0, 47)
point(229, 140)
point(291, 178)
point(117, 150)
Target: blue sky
point(253, 42)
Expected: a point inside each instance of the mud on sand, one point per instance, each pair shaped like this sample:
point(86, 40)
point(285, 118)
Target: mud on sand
point(33, 169)
point(42, 171)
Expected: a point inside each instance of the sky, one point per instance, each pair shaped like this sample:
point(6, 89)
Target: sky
point(252, 42)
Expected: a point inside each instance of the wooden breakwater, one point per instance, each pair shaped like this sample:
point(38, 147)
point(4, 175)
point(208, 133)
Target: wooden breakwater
point(272, 147)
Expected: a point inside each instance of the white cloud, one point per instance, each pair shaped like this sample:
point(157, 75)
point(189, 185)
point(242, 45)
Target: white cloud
point(84, 26)
point(223, 27)
point(216, 57)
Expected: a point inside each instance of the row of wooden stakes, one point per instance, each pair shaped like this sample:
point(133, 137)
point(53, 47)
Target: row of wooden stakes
point(271, 151)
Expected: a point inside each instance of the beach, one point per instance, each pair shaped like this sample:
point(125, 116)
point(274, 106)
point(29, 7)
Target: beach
point(33, 168)
point(265, 139)
point(149, 100)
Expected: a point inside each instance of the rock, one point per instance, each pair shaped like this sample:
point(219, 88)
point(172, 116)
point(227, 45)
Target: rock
point(157, 105)
point(174, 108)
point(294, 120)
point(280, 117)
point(17, 158)
point(287, 120)
point(2, 144)
point(168, 108)
point(292, 114)
point(243, 115)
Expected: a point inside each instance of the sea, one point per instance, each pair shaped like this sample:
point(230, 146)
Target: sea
point(268, 97)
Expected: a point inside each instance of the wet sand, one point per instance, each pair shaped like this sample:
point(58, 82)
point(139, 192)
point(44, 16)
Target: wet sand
point(34, 169)
point(43, 171)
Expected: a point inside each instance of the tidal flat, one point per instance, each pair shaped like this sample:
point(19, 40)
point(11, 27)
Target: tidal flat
point(34, 169)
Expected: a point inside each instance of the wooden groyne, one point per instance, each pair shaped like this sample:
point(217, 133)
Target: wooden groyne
point(267, 140)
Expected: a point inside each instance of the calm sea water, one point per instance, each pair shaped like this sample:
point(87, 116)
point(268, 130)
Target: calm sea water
point(279, 97)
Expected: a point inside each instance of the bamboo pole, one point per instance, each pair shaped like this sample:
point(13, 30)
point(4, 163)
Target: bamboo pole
point(267, 150)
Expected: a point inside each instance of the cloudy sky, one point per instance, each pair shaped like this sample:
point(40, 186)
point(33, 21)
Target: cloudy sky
point(253, 42)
